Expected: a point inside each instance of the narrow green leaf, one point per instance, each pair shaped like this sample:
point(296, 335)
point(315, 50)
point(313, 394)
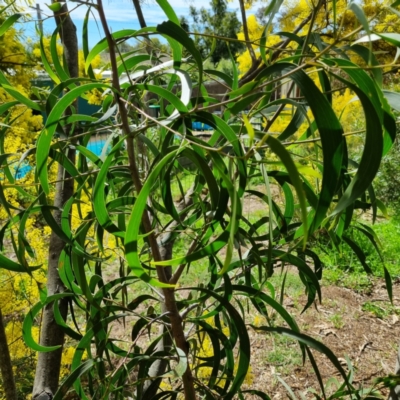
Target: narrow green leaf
point(10, 265)
point(287, 387)
point(102, 45)
point(369, 56)
point(358, 252)
point(277, 147)
point(132, 231)
point(8, 23)
point(174, 31)
point(310, 342)
point(99, 198)
point(249, 128)
point(45, 138)
point(166, 94)
point(169, 11)
point(374, 144)
point(383, 208)
point(221, 75)
point(60, 321)
point(128, 63)
point(258, 295)
point(330, 130)
point(233, 228)
point(30, 319)
point(389, 285)
point(72, 377)
point(61, 72)
point(359, 13)
point(46, 63)
point(6, 106)
point(85, 41)
point(20, 97)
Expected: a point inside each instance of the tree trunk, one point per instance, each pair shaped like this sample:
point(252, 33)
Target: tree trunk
point(48, 366)
point(169, 295)
point(395, 392)
point(158, 367)
point(7, 374)
point(51, 334)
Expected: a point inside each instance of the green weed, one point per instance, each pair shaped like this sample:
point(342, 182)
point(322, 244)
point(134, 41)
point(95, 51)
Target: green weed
point(284, 355)
point(383, 310)
point(337, 321)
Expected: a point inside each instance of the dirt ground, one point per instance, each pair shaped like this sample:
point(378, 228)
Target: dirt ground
point(349, 331)
point(341, 323)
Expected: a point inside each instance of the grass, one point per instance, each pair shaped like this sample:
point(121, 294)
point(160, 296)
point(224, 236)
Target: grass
point(342, 268)
point(358, 281)
point(285, 354)
point(337, 321)
point(380, 310)
point(294, 287)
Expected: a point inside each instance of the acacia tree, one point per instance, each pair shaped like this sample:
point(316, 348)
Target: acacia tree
point(18, 130)
point(129, 218)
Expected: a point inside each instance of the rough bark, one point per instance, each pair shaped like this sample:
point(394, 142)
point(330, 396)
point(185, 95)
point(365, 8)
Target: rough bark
point(68, 39)
point(395, 392)
point(51, 334)
point(7, 374)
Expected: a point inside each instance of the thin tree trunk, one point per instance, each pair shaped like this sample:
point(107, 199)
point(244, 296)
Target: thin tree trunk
point(51, 334)
point(169, 294)
point(158, 367)
point(395, 392)
point(246, 32)
point(7, 374)
point(48, 366)
point(139, 13)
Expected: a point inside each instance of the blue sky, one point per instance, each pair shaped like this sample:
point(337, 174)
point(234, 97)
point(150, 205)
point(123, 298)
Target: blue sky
point(120, 14)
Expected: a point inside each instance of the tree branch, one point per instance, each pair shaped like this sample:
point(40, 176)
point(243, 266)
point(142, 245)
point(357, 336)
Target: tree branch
point(170, 303)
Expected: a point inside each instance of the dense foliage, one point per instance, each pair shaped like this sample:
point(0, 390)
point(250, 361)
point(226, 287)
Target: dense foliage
point(155, 234)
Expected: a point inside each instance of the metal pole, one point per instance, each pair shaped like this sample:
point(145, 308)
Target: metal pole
point(39, 17)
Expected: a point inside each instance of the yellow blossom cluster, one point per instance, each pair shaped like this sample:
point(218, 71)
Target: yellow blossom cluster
point(95, 97)
point(95, 63)
point(255, 33)
point(18, 292)
point(13, 58)
point(46, 45)
point(206, 350)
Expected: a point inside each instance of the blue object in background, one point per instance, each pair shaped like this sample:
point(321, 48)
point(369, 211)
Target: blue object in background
point(200, 126)
point(96, 147)
point(22, 171)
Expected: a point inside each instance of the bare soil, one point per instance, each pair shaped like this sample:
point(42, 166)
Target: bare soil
point(341, 324)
